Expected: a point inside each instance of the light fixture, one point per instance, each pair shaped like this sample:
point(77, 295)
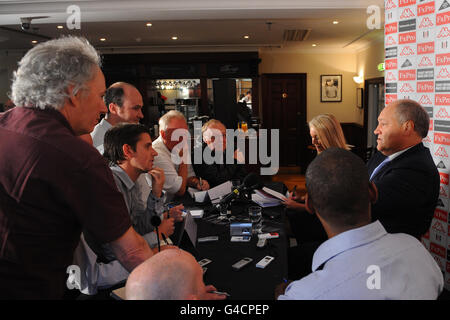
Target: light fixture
point(246, 37)
point(102, 39)
point(148, 24)
point(34, 41)
point(358, 79)
point(174, 38)
point(314, 45)
point(335, 22)
point(59, 27)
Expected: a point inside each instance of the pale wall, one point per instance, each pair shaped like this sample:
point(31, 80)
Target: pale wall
point(314, 65)
point(367, 65)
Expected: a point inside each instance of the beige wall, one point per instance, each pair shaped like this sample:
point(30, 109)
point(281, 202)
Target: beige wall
point(316, 64)
point(367, 65)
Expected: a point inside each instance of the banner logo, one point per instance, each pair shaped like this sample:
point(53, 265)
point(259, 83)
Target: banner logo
point(442, 99)
point(426, 23)
point(443, 74)
point(407, 75)
point(443, 18)
point(442, 114)
point(440, 152)
point(426, 8)
point(391, 64)
point(442, 138)
point(424, 100)
point(407, 13)
point(390, 5)
point(390, 41)
point(444, 5)
point(425, 86)
point(390, 28)
point(444, 33)
point(443, 59)
point(405, 3)
point(424, 48)
point(425, 62)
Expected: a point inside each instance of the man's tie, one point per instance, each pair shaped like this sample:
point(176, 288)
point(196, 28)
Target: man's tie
point(381, 165)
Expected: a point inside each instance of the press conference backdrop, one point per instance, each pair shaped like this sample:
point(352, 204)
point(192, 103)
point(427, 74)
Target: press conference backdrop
point(417, 67)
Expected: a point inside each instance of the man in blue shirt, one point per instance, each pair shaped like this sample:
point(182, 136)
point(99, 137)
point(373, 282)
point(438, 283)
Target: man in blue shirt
point(360, 260)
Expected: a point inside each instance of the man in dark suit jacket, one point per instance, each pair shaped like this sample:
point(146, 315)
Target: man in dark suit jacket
point(218, 173)
point(403, 170)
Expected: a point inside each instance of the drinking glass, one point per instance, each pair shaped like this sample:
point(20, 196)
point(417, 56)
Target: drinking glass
point(256, 218)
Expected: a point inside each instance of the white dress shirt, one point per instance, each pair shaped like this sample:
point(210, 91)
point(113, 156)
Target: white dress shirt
point(98, 134)
point(345, 267)
point(164, 161)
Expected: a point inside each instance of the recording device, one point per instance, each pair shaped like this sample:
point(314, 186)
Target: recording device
point(264, 262)
point(261, 243)
point(208, 239)
point(204, 262)
point(271, 235)
point(240, 229)
point(240, 238)
point(156, 221)
point(251, 181)
point(241, 263)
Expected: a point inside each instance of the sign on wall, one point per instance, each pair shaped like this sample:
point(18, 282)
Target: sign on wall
point(417, 66)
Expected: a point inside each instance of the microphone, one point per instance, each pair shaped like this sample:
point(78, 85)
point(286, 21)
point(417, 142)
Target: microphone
point(156, 221)
point(251, 181)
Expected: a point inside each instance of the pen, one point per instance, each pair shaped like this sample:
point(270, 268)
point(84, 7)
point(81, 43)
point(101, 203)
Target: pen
point(201, 184)
point(224, 293)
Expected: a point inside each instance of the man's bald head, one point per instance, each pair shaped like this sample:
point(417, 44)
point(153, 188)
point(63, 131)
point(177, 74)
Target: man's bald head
point(124, 103)
point(172, 274)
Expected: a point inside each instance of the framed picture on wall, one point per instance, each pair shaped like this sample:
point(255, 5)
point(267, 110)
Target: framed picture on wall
point(331, 88)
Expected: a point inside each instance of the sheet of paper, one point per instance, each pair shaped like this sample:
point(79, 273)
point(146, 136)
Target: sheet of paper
point(191, 228)
point(220, 191)
point(274, 193)
point(199, 196)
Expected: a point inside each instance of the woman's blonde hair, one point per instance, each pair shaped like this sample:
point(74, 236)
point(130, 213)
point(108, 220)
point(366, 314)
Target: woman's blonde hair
point(329, 131)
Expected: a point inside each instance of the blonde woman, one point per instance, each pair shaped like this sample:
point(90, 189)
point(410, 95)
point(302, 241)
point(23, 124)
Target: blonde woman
point(326, 132)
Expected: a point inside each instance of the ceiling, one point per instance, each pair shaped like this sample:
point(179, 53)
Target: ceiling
point(199, 25)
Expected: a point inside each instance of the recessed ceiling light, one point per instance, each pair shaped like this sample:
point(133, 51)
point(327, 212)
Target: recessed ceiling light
point(314, 45)
point(102, 39)
point(34, 41)
point(174, 38)
point(60, 27)
point(335, 22)
point(148, 24)
point(246, 37)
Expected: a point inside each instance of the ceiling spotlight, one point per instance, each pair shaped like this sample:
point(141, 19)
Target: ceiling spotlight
point(246, 37)
point(174, 38)
point(314, 45)
point(335, 22)
point(102, 39)
point(149, 24)
point(59, 27)
point(34, 41)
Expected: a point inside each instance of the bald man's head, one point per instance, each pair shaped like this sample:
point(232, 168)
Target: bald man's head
point(172, 274)
point(124, 103)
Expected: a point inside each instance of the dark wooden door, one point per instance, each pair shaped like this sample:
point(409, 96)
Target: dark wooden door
point(284, 108)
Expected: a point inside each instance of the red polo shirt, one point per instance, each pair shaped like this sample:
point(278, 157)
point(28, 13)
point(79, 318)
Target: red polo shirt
point(52, 185)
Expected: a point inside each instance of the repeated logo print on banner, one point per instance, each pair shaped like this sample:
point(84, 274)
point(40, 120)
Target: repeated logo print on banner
point(417, 66)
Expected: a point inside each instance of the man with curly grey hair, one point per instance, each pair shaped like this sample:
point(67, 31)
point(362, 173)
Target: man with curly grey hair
point(52, 184)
